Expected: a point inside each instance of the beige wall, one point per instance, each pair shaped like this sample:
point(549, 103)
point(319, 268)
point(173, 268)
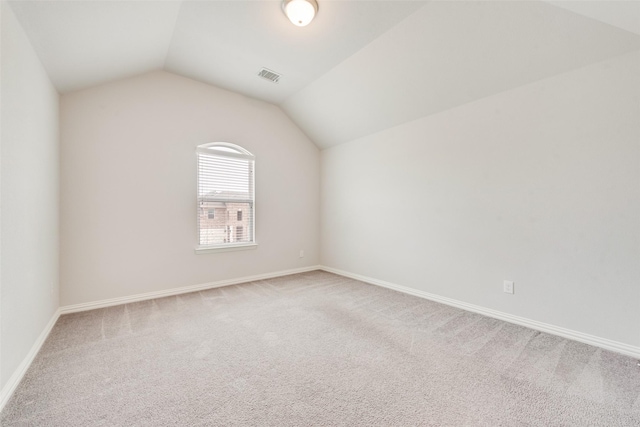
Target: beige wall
point(539, 185)
point(129, 145)
point(29, 198)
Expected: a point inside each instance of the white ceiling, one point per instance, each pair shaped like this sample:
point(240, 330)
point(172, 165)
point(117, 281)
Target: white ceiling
point(624, 14)
point(447, 54)
point(84, 43)
point(359, 67)
point(225, 43)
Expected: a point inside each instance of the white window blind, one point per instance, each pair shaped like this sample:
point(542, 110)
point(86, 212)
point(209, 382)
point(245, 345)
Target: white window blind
point(225, 195)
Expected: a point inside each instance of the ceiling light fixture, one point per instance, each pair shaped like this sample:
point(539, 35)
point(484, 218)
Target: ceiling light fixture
point(300, 12)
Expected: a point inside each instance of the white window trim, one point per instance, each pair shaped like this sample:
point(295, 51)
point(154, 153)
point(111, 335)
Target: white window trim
point(231, 247)
point(199, 250)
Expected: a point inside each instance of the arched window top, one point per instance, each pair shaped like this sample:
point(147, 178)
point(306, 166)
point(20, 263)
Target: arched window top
point(225, 149)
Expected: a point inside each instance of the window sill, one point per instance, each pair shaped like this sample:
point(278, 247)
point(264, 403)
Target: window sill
point(227, 248)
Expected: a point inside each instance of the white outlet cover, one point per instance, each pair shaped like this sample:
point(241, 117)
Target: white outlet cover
point(508, 287)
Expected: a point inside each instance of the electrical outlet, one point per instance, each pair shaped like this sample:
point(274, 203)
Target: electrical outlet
point(507, 287)
point(301, 253)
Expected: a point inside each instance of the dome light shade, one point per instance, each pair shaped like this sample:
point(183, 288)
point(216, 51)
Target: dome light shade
point(300, 12)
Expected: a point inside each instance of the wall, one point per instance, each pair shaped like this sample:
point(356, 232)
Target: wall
point(128, 187)
point(539, 185)
point(29, 198)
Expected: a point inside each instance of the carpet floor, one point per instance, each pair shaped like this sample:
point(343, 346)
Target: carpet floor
point(315, 349)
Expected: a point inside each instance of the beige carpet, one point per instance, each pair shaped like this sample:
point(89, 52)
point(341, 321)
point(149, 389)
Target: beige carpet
point(315, 349)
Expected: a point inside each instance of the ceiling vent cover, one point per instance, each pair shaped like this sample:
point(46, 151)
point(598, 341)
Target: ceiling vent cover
point(270, 75)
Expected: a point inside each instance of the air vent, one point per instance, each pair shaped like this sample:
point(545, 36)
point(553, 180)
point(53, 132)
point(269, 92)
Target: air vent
point(270, 75)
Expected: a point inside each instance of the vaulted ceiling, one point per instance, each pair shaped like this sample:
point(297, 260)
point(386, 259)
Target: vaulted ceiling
point(225, 43)
point(359, 67)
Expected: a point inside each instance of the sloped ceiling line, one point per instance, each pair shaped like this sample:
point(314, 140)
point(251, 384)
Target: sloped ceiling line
point(173, 34)
point(445, 55)
point(360, 67)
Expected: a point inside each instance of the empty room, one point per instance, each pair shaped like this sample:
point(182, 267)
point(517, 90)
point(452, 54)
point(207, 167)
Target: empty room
point(320, 213)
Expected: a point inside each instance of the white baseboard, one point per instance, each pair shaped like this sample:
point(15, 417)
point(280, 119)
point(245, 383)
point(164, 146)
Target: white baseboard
point(604, 343)
point(177, 291)
point(18, 374)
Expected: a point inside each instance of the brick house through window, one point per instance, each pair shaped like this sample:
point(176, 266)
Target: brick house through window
point(226, 225)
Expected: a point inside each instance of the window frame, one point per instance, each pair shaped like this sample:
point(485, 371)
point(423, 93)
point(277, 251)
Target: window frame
point(238, 153)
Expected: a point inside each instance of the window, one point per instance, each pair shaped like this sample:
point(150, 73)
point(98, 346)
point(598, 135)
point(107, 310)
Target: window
point(225, 182)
